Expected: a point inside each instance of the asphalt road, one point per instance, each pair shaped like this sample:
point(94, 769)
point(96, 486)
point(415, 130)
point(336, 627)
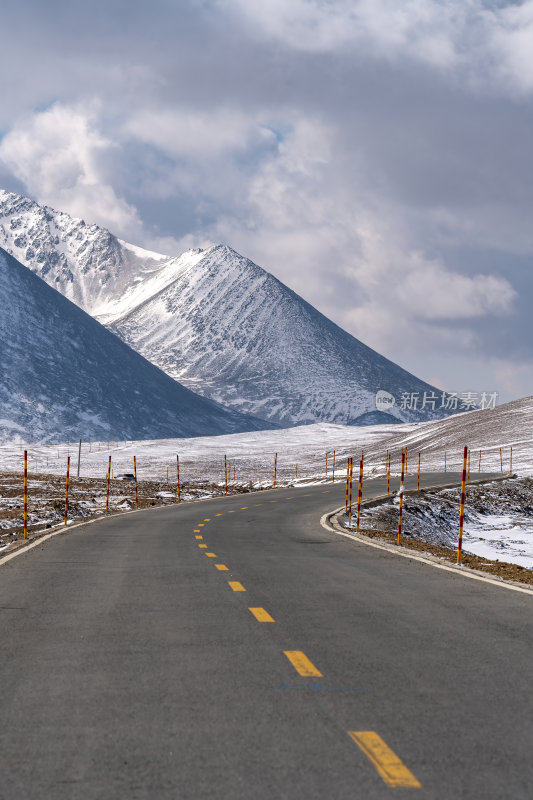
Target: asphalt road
point(133, 667)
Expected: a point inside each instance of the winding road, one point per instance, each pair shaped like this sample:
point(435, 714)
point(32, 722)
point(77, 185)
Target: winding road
point(234, 648)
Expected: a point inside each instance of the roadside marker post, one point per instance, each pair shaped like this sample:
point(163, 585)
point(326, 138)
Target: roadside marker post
point(462, 510)
point(66, 490)
point(296, 471)
point(360, 493)
point(178, 477)
point(25, 494)
point(107, 489)
point(333, 477)
point(347, 481)
point(350, 492)
point(275, 469)
point(401, 498)
point(418, 482)
point(226, 474)
point(135, 476)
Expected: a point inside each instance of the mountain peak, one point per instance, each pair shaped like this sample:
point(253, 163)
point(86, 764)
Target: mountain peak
point(65, 376)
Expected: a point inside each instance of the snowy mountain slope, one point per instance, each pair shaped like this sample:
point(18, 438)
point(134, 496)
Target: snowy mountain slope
point(506, 426)
point(86, 263)
point(236, 334)
point(65, 376)
point(214, 321)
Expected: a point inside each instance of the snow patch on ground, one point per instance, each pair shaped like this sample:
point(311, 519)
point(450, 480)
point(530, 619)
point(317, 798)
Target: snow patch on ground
point(498, 519)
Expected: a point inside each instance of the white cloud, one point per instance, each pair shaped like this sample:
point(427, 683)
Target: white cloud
point(59, 154)
point(192, 132)
point(488, 46)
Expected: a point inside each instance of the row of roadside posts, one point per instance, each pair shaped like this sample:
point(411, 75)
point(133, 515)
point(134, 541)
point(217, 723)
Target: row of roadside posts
point(465, 478)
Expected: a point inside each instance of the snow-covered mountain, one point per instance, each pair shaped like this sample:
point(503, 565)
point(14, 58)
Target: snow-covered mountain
point(216, 322)
point(65, 376)
point(86, 263)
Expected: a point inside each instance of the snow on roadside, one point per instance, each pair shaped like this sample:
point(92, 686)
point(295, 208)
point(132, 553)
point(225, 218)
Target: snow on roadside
point(498, 519)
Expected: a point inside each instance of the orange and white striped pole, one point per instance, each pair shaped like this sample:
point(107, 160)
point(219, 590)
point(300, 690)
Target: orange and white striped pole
point(275, 469)
point(25, 494)
point(66, 490)
point(402, 478)
point(107, 488)
point(462, 510)
point(360, 493)
point(296, 471)
point(178, 477)
point(347, 481)
point(226, 474)
point(388, 476)
point(135, 476)
point(333, 478)
point(418, 482)
point(511, 462)
point(501, 461)
point(350, 483)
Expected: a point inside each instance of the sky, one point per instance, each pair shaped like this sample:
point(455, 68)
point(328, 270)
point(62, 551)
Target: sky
point(375, 156)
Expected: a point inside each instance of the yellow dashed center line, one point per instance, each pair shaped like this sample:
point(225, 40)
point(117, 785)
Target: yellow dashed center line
point(236, 586)
point(203, 546)
point(261, 615)
point(201, 525)
point(390, 767)
point(218, 515)
point(221, 567)
point(273, 501)
point(197, 530)
point(208, 519)
point(231, 512)
point(243, 508)
point(258, 504)
point(211, 555)
point(301, 664)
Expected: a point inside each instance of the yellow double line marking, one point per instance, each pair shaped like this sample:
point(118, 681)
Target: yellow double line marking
point(390, 767)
